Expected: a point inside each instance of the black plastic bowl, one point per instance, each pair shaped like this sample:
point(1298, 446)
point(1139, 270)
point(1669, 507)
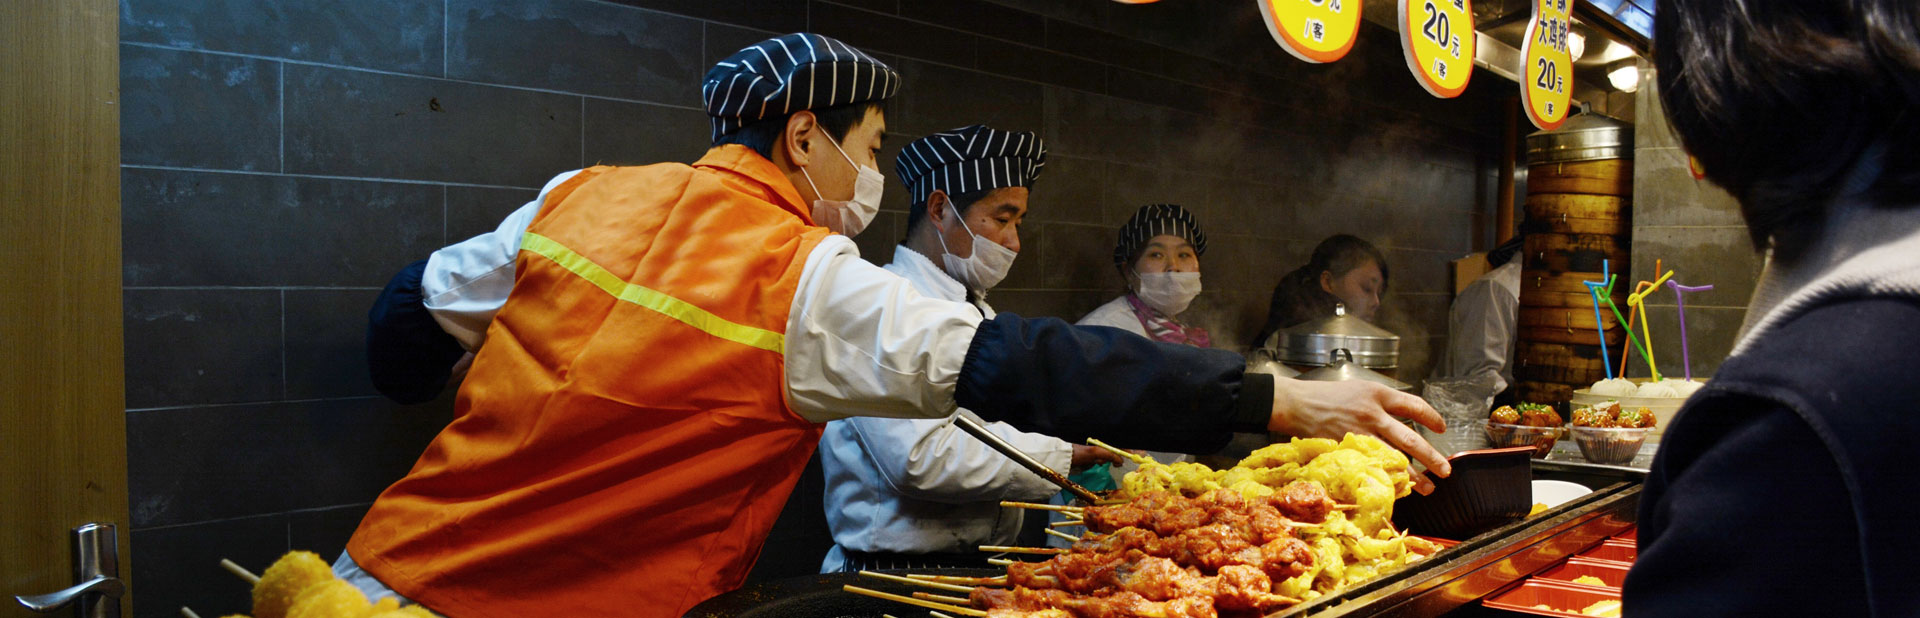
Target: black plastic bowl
point(1488, 489)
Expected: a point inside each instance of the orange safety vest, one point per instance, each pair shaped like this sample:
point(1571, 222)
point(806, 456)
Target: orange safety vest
point(622, 444)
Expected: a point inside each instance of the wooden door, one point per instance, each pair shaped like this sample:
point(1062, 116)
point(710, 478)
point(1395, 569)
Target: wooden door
point(63, 448)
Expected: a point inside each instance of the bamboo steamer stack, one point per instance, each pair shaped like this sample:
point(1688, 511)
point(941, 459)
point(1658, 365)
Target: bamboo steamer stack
point(1579, 209)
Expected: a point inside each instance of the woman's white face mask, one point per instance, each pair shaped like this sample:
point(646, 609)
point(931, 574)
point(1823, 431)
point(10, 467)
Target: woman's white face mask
point(985, 268)
point(1167, 292)
point(849, 217)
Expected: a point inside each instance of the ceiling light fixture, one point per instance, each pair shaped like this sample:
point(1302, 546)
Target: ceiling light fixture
point(1576, 44)
point(1625, 75)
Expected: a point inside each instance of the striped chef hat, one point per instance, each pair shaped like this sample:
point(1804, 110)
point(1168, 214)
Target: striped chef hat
point(972, 158)
point(1153, 220)
point(791, 73)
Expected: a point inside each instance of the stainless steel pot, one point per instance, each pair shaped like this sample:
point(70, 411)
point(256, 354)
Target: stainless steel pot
point(1341, 368)
point(1310, 343)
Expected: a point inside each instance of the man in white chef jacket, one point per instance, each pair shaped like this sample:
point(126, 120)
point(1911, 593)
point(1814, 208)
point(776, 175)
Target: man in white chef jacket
point(921, 493)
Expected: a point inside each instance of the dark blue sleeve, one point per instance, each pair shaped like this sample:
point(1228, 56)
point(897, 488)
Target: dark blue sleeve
point(1745, 513)
point(409, 356)
point(1047, 376)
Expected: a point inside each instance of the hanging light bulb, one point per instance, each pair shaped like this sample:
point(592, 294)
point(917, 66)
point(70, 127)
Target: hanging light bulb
point(1625, 76)
point(1576, 44)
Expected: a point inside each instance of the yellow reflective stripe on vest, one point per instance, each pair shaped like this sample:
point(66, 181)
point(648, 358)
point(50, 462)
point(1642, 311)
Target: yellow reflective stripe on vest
point(652, 299)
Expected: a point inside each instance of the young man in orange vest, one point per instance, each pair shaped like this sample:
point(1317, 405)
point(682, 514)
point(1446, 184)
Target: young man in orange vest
point(675, 335)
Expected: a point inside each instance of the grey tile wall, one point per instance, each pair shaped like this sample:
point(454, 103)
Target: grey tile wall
point(390, 35)
point(200, 110)
point(611, 50)
point(284, 158)
point(1695, 229)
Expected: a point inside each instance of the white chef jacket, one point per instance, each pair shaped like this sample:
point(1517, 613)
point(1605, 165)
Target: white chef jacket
point(1481, 329)
point(858, 337)
point(924, 485)
point(1117, 313)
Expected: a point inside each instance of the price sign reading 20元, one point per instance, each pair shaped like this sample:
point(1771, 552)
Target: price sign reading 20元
point(1547, 86)
point(1316, 31)
point(1436, 37)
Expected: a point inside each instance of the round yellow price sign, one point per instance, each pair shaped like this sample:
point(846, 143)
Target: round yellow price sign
point(1546, 90)
point(1437, 38)
point(1316, 31)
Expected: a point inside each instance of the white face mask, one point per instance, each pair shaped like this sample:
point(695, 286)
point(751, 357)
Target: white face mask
point(985, 268)
point(1168, 293)
point(847, 218)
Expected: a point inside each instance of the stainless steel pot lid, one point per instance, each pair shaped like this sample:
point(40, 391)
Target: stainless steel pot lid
point(1310, 343)
point(1341, 368)
point(1261, 360)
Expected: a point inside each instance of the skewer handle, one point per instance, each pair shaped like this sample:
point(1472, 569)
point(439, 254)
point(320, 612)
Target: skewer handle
point(917, 582)
point(967, 424)
point(1004, 549)
point(239, 571)
point(1063, 535)
point(1070, 510)
point(187, 613)
point(964, 611)
point(941, 598)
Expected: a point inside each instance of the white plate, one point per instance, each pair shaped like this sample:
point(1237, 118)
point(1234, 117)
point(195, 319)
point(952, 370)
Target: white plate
point(1555, 493)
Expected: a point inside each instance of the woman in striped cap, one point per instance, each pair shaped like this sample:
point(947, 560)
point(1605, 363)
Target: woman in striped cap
point(1159, 257)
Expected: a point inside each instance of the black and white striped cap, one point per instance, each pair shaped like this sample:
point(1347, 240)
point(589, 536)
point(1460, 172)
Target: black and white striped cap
point(791, 73)
point(1153, 220)
point(971, 158)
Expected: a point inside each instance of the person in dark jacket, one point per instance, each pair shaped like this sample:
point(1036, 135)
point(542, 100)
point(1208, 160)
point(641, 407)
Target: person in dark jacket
point(1785, 486)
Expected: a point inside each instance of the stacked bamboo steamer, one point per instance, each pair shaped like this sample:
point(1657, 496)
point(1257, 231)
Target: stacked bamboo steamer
point(1579, 209)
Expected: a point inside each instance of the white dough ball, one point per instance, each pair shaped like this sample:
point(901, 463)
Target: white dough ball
point(1614, 387)
point(1656, 389)
point(1682, 388)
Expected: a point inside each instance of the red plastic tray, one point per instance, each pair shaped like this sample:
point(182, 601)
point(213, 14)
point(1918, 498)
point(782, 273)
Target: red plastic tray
point(1617, 551)
point(1565, 599)
point(1614, 574)
point(1632, 534)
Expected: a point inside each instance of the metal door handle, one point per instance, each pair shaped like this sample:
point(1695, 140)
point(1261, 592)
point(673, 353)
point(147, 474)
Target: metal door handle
point(56, 601)
point(96, 568)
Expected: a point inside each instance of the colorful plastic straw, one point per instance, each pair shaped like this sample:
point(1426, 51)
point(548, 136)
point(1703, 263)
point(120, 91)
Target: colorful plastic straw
point(1634, 312)
point(1594, 288)
point(1682, 306)
point(1638, 300)
point(1623, 319)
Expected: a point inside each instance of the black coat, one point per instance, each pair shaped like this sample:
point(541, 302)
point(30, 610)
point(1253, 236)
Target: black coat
point(1789, 485)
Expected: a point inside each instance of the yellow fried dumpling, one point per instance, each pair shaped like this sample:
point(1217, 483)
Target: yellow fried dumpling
point(333, 598)
point(410, 611)
point(283, 582)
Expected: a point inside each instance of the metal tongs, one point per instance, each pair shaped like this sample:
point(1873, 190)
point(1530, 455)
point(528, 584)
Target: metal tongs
point(971, 426)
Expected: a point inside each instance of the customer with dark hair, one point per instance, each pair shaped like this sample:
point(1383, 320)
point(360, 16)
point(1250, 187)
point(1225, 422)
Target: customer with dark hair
point(1785, 486)
point(1343, 270)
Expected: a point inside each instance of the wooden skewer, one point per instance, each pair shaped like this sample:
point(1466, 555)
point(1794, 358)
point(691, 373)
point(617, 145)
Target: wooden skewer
point(1022, 550)
point(916, 582)
point(1043, 507)
point(941, 598)
point(999, 562)
point(1063, 535)
point(1067, 524)
point(240, 571)
point(958, 580)
point(937, 614)
point(1346, 507)
point(1139, 459)
point(187, 613)
point(964, 611)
